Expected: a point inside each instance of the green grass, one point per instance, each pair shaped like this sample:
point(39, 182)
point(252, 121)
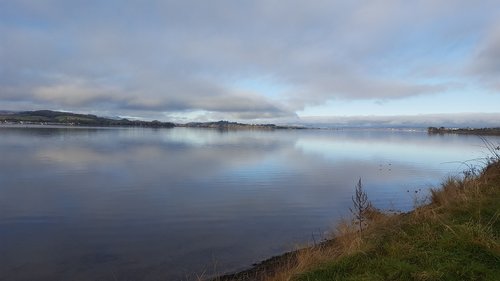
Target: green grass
point(454, 238)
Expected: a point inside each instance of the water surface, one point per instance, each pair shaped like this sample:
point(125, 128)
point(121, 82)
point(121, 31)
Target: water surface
point(166, 204)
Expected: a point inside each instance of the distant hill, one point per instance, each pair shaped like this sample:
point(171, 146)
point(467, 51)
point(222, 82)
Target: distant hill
point(49, 117)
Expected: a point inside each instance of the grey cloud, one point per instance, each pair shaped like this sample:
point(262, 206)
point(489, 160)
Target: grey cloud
point(74, 94)
point(485, 64)
point(245, 107)
point(351, 86)
point(185, 97)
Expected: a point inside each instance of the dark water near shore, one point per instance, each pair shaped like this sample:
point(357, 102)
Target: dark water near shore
point(145, 204)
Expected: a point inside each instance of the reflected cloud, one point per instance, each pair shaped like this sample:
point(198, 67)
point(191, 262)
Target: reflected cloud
point(387, 146)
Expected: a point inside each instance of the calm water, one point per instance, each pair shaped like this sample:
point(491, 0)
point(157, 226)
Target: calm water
point(145, 204)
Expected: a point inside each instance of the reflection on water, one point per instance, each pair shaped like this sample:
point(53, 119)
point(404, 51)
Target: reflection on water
point(146, 204)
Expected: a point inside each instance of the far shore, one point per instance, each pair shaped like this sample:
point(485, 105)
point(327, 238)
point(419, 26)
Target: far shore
point(465, 131)
point(58, 118)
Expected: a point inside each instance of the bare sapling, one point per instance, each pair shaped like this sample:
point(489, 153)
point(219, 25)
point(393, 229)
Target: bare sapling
point(361, 206)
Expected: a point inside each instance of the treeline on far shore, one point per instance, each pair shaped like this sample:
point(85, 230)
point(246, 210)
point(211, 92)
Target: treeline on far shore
point(49, 117)
point(469, 131)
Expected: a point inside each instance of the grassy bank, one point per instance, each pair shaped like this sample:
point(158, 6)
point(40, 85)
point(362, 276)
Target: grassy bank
point(456, 236)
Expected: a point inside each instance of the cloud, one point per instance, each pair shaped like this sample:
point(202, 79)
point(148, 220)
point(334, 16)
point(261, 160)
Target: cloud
point(74, 93)
point(485, 64)
point(169, 56)
point(358, 87)
point(79, 93)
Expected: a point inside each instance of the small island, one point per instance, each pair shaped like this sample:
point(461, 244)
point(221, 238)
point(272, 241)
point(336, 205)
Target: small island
point(464, 131)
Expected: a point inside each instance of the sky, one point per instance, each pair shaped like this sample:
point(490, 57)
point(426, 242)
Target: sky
point(261, 61)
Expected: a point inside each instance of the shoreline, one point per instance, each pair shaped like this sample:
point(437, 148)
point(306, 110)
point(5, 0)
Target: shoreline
point(445, 200)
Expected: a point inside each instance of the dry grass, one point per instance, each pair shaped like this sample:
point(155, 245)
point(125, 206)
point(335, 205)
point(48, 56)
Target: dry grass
point(345, 240)
point(460, 190)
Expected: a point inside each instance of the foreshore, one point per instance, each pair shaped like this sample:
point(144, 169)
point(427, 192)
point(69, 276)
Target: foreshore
point(454, 236)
